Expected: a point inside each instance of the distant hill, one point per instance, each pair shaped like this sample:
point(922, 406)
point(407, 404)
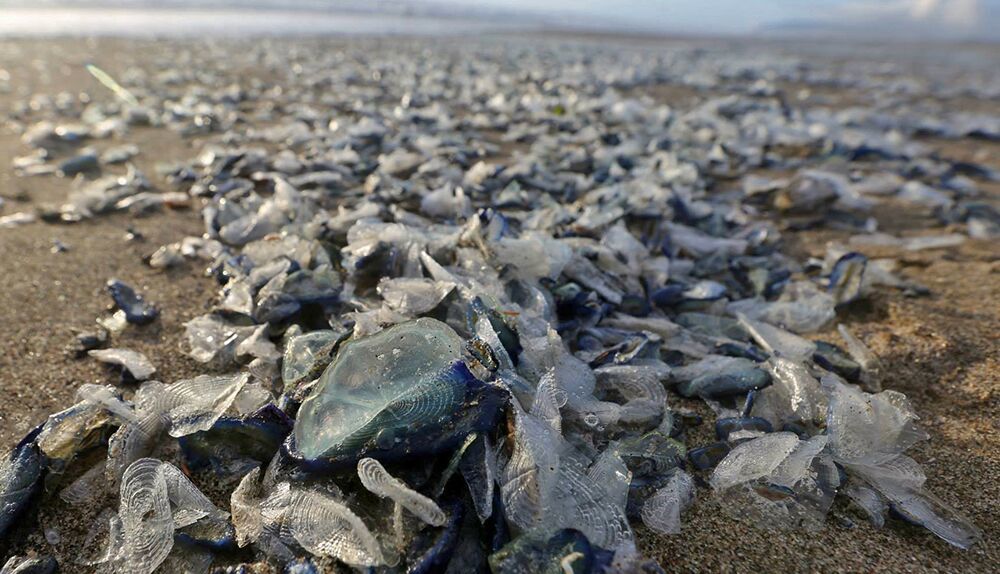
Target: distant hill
point(964, 20)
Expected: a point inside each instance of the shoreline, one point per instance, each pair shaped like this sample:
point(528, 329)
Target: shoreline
point(940, 350)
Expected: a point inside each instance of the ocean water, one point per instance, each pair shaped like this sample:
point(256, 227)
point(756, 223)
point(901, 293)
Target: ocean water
point(220, 22)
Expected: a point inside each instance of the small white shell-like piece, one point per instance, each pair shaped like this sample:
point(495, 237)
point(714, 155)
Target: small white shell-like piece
point(275, 535)
point(133, 361)
point(375, 478)
point(542, 490)
point(868, 429)
point(776, 340)
point(326, 527)
point(106, 397)
point(861, 354)
point(413, 296)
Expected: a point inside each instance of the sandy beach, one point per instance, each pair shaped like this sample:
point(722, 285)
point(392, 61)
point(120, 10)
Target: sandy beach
point(941, 350)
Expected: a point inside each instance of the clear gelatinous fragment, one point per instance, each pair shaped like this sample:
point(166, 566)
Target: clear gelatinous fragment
point(194, 404)
point(866, 428)
point(375, 478)
point(327, 527)
point(134, 362)
point(662, 511)
point(753, 459)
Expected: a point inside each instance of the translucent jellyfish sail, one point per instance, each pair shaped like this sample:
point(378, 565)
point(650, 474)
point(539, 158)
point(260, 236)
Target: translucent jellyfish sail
point(147, 524)
point(402, 391)
point(868, 434)
point(778, 481)
point(326, 527)
point(192, 405)
point(155, 500)
point(542, 489)
point(662, 511)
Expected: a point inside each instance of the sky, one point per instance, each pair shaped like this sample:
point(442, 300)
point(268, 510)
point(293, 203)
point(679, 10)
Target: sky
point(936, 17)
point(919, 19)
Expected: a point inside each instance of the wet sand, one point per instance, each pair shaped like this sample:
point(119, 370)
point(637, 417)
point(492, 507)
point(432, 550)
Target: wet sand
point(942, 350)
